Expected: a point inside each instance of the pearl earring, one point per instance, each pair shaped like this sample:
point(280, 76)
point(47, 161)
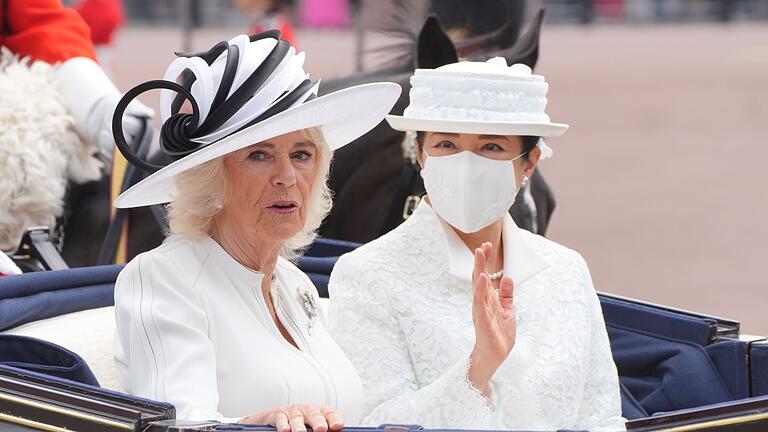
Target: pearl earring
point(525, 181)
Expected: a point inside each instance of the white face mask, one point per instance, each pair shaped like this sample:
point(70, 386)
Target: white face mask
point(469, 191)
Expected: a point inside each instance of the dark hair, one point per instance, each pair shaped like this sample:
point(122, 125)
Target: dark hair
point(529, 143)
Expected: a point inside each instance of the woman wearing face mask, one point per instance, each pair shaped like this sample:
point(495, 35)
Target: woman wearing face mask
point(469, 321)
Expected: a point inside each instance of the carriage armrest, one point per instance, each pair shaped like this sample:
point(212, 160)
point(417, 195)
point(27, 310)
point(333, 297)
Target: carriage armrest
point(666, 321)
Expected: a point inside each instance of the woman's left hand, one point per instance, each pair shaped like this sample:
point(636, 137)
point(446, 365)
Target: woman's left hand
point(295, 418)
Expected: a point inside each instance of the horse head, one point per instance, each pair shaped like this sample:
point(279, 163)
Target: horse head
point(435, 49)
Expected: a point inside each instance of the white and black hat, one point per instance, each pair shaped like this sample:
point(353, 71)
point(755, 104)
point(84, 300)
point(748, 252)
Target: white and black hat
point(242, 91)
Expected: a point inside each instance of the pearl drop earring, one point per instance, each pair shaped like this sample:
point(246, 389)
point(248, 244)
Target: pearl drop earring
point(525, 181)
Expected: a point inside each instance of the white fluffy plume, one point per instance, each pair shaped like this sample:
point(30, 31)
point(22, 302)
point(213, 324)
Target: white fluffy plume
point(40, 152)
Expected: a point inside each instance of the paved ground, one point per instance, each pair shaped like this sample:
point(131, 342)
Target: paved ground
point(660, 181)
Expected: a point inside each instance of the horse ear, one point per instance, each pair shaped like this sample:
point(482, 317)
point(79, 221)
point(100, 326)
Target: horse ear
point(434, 47)
point(526, 49)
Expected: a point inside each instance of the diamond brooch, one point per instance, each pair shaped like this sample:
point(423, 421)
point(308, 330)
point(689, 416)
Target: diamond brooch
point(310, 306)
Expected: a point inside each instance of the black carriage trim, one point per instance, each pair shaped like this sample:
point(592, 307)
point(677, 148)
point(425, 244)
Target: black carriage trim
point(180, 129)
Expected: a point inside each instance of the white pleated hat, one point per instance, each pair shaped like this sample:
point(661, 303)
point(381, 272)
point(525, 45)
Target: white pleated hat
point(479, 98)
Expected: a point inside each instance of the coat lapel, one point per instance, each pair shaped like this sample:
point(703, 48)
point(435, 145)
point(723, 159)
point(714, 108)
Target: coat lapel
point(521, 261)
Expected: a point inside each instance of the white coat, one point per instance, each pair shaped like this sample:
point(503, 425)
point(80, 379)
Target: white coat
point(401, 309)
point(193, 329)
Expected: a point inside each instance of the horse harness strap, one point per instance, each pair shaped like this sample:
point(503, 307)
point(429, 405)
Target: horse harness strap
point(405, 200)
point(114, 247)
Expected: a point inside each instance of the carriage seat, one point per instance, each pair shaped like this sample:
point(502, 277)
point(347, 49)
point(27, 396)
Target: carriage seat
point(672, 360)
point(666, 360)
point(74, 308)
point(71, 308)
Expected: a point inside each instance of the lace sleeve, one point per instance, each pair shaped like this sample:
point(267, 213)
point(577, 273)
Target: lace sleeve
point(600, 408)
point(361, 321)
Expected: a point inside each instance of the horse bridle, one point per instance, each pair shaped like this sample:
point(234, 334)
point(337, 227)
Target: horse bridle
point(410, 189)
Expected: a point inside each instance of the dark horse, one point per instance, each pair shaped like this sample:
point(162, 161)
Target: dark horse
point(366, 175)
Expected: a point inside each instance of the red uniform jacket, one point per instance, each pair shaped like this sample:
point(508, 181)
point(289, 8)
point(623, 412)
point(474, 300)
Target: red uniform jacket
point(44, 30)
point(103, 17)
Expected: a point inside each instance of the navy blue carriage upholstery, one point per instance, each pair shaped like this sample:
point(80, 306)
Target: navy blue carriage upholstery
point(319, 259)
point(35, 296)
point(666, 360)
point(44, 357)
point(758, 359)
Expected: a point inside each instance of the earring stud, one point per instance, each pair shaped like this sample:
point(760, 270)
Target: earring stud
point(525, 181)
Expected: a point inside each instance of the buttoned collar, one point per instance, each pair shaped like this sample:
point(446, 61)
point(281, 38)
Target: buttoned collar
point(520, 260)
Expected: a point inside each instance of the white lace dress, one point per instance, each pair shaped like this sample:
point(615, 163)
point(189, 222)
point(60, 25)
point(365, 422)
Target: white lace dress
point(401, 309)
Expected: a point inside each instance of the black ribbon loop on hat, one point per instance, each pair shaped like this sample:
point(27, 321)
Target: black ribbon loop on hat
point(180, 129)
point(209, 56)
point(285, 103)
point(267, 34)
point(227, 77)
point(187, 79)
point(230, 69)
point(246, 90)
point(174, 134)
point(213, 54)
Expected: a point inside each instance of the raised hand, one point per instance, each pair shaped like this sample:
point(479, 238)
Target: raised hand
point(493, 314)
point(295, 418)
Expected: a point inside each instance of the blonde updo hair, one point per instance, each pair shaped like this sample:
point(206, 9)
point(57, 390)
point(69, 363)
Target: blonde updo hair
point(202, 192)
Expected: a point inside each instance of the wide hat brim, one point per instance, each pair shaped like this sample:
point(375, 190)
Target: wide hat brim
point(342, 116)
point(547, 130)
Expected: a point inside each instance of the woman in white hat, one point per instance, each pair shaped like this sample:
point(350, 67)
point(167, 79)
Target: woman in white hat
point(217, 320)
point(475, 323)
